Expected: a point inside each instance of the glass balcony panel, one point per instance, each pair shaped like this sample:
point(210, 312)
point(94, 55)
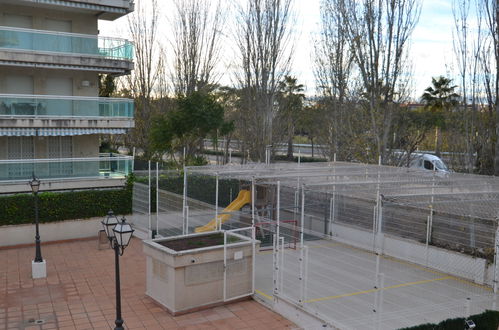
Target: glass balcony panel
point(115, 166)
point(49, 41)
point(17, 105)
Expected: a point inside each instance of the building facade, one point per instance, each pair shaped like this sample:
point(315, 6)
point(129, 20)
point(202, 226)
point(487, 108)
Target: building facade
point(51, 118)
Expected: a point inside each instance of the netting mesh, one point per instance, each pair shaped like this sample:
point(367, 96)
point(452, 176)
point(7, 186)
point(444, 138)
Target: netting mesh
point(356, 244)
point(239, 263)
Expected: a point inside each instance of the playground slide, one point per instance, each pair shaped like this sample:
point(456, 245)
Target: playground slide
point(243, 198)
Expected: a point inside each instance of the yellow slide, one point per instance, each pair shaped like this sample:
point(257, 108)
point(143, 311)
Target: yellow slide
point(243, 198)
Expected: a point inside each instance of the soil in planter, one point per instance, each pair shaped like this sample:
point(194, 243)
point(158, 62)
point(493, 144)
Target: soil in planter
point(198, 242)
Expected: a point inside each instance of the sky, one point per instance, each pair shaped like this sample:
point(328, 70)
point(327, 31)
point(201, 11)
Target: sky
point(431, 44)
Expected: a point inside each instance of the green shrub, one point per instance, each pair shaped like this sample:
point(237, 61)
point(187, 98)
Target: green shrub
point(488, 320)
point(199, 187)
point(58, 206)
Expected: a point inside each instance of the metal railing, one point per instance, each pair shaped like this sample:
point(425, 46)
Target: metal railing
point(64, 106)
point(63, 42)
point(114, 166)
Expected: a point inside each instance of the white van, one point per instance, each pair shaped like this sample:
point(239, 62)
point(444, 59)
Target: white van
point(428, 162)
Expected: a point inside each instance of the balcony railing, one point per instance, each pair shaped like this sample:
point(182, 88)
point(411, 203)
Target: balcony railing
point(114, 166)
point(62, 42)
point(64, 106)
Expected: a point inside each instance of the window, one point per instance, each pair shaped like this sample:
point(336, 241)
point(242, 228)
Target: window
point(428, 165)
point(20, 147)
point(60, 147)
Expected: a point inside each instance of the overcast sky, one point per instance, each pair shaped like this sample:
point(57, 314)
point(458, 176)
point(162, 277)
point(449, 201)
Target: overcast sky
point(431, 45)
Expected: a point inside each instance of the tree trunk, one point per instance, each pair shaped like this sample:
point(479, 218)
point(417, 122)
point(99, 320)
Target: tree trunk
point(291, 132)
point(496, 156)
point(438, 142)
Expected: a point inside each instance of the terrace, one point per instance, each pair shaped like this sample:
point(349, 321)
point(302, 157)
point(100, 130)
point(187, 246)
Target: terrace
point(78, 293)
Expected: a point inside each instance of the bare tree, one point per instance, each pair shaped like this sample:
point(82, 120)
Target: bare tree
point(141, 83)
point(379, 31)
point(333, 65)
point(263, 40)
point(197, 40)
point(468, 43)
point(491, 66)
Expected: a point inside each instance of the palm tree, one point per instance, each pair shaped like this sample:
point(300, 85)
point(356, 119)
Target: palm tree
point(440, 98)
point(290, 100)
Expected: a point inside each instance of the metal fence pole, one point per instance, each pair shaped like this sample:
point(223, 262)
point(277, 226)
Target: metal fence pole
point(218, 221)
point(157, 198)
point(149, 234)
point(302, 214)
point(225, 267)
point(275, 275)
point(187, 219)
point(253, 195)
point(278, 211)
point(378, 308)
point(281, 266)
point(496, 256)
point(303, 274)
point(253, 258)
point(184, 202)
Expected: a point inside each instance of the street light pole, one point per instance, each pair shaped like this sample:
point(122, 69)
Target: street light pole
point(38, 265)
point(119, 235)
point(119, 320)
point(38, 250)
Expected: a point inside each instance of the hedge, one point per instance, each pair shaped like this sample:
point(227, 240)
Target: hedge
point(57, 206)
point(199, 187)
point(488, 320)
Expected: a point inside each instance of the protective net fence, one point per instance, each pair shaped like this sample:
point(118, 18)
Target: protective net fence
point(361, 246)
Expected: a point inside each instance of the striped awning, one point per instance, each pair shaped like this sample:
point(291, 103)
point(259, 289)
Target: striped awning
point(59, 131)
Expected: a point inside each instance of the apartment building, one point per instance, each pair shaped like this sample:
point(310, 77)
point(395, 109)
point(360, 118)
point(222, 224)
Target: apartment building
point(51, 118)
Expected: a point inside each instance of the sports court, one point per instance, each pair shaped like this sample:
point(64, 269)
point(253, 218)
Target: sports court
point(358, 246)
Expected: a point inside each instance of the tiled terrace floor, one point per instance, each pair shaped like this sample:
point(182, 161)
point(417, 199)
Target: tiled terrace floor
point(79, 293)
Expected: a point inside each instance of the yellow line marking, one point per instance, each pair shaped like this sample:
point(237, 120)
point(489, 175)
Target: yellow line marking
point(324, 245)
point(374, 290)
point(261, 293)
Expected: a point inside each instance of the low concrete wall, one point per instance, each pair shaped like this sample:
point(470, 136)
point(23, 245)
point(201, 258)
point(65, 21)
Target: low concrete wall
point(54, 231)
point(446, 261)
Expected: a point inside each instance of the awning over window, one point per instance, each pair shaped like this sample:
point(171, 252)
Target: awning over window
point(59, 131)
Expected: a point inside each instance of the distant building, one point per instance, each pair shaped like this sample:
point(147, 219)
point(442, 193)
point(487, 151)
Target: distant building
point(51, 117)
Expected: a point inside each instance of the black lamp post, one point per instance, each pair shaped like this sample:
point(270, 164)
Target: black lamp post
point(119, 235)
point(35, 186)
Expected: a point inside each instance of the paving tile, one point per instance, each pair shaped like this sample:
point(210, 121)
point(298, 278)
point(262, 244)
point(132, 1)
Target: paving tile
point(79, 294)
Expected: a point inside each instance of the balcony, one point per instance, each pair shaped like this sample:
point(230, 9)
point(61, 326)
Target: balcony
point(105, 9)
point(31, 111)
point(18, 45)
point(65, 106)
point(106, 166)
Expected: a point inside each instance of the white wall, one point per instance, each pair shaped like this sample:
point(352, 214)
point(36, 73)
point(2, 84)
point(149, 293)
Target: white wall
point(56, 231)
point(41, 18)
point(40, 78)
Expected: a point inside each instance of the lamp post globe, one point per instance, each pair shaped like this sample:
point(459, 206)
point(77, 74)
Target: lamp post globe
point(109, 222)
point(123, 233)
point(34, 184)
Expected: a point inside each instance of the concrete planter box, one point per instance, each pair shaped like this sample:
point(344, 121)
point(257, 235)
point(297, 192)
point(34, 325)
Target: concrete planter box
point(190, 280)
